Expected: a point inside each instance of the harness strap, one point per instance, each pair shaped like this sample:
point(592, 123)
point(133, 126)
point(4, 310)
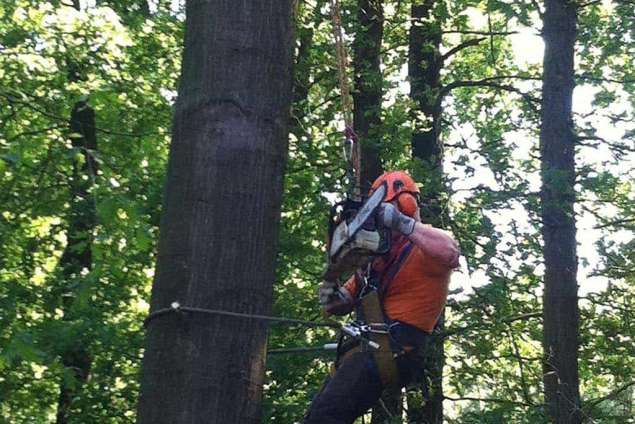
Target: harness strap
point(384, 357)
point(393, 269)
point(371, 311)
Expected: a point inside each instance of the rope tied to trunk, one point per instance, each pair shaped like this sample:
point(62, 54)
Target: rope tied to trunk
point(177, 308)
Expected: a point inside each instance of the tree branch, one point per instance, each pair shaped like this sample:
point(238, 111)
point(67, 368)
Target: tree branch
point(486, 33)
point(488, 82)
point(464, 45)
point(614, 223)
point(586, 77)
point(591, 3)
point(589, 405)
point(507, 320)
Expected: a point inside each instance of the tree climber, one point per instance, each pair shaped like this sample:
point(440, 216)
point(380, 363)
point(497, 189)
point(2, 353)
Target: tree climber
point(404, 291)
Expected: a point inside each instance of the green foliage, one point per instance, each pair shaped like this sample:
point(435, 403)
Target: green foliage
point(53, 56)
point(123, 58)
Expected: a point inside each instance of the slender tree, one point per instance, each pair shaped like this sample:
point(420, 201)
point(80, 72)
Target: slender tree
point(367, 92)
point(219, 229)
point(77, 258)
point(424, 67)
point(557, 148)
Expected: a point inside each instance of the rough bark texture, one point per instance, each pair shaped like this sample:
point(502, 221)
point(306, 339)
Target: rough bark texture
point(219, 228)
point(367, 93)
point(367, 103)
point(424, 65)
point(561, 314)
point(77, 256)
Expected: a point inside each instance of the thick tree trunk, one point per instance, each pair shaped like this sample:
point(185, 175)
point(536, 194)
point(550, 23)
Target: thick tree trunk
point(77, 256)
point(367, 94)
point(561, 314)
point(219, 229)
point(424, 66)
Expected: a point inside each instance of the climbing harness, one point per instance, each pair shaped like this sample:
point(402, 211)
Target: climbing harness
point(373, 325)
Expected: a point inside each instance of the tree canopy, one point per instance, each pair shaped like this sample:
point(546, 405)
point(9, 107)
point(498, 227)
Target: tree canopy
point(122, 60)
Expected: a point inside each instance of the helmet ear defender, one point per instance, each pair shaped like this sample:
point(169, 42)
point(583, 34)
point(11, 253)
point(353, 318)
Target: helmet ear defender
point(407, 204)
point(400, 187)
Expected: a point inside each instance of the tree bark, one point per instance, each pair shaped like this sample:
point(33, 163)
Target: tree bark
point(367, 94)
point(367, 104)
point(424, 67)
point(77, 256)
point(219, 229)
point(424, 73)
point(561, 314)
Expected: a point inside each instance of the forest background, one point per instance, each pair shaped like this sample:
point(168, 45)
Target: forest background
point(86, 97)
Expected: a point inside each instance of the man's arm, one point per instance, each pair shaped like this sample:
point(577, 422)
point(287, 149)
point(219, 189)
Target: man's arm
point(435, 243)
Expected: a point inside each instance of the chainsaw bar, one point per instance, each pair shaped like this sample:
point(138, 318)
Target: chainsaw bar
point(367, 210)
point(348, 230)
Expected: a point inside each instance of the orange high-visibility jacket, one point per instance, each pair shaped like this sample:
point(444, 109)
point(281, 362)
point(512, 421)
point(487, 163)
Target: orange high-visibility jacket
point(419, 289)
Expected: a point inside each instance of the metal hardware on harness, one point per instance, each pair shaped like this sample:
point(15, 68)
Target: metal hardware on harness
point(360, 332)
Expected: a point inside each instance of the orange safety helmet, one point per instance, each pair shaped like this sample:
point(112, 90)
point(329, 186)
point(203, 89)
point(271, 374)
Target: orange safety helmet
point(402, 187)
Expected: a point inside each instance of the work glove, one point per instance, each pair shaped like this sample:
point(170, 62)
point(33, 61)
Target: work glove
point(334, 299)
point(390, 217)
point(327, 292)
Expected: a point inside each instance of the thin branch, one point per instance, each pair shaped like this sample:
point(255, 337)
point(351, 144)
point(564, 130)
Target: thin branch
point(589, 405)
point(508, 320)
point(591, 3)
point(12, 99)
point(615, 223)
point(488, 82)
point(586, 77)
point(464, 45)
point(33, 132)
point(486, 33)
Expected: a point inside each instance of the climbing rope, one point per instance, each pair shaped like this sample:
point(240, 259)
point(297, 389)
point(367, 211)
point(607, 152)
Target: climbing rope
point(342, 64)
point(176, 307)
point(352, 150)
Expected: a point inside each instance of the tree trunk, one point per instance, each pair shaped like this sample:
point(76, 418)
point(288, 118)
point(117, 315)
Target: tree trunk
point(367, 94)
point(557, 146)
point(77, 256)
point(367, 103)
point(218, 239)
point(424, 66)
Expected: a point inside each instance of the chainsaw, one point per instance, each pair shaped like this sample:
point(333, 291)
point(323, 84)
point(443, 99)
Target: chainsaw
point(354, 236)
